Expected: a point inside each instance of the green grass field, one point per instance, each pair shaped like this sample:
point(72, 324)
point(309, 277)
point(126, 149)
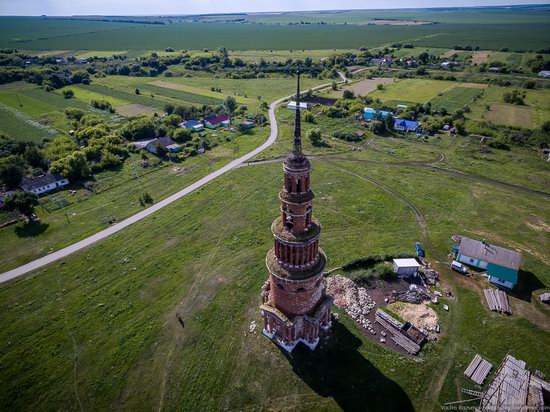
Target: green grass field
point(96, 327)
point(413, 90)
point(455, 98)
point(490, 30)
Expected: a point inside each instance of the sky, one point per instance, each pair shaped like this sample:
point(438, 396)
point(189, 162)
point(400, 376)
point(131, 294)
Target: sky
point(148, 7)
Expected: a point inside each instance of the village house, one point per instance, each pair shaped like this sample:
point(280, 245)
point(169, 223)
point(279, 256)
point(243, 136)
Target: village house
point(246, 125)
point(405, 125)
point(214, 121)
point(502, 264)
point(43, 184)
point(372, 114)
point(152, 144)
point(193, 125)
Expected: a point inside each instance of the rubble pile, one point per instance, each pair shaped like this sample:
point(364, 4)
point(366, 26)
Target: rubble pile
point(415, 294)
point(429, 275)
point(352, 298)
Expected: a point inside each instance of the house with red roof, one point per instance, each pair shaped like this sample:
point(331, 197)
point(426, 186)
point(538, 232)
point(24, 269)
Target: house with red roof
point(214, 121)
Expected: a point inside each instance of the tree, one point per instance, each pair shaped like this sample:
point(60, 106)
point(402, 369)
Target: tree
point(348, 94)
point(22, 202)
point(169, 108)
point(137, 91)
point(388, 122)
point(11, 171)
point(421, 71)
point(230, 105)
point(334, 86)
point(68, 94)
point(315, 138)
point(161, 150)
point(73, 166)
point(138, 129)
point(74, 114)
point(182, 135)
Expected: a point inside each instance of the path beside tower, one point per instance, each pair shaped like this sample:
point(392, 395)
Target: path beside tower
point(75, 247)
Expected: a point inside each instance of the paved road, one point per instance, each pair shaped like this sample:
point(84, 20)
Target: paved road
point(75, 247)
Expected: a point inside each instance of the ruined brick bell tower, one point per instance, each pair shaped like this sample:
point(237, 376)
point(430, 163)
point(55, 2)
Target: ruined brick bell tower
point(295, 307)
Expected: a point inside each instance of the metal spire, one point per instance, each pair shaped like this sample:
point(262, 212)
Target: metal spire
point(297, 122)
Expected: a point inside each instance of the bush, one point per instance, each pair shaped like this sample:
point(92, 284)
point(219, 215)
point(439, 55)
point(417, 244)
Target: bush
point(102, 105)
point(74, 114)
point(309, 118)
point(348, 94)
point(68, 94)
point(514, 97)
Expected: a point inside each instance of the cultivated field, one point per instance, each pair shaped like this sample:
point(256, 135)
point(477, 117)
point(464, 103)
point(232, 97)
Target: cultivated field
point(510, 115)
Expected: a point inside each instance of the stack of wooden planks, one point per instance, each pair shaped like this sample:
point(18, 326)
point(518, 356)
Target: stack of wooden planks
point(396, 329)
point(498, 301)
point(478, 370)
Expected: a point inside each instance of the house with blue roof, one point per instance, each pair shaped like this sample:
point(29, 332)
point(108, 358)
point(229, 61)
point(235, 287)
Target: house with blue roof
point(193, 125)
point(405, 125)
point(372, 114)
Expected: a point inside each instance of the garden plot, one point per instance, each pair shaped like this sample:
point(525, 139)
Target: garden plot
point(364, 87)
point(134, 109)
point(509, 115)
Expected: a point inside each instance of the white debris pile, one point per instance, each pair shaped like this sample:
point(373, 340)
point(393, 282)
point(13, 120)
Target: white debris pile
point(252, 326)
point(352, 298)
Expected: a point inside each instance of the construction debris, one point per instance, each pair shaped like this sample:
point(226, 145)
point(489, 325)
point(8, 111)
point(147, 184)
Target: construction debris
point(478, 370)
point(545, 297)
point(429, 275)
point(252, 326)
point(497, 300)
point(415, 294)
point(509, 389)
point(352, 298)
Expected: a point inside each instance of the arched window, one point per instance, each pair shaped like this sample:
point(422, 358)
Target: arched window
point(280, 286)
point(299, 186)
point(300, 290)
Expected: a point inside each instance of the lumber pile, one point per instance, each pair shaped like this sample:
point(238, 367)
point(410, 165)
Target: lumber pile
point(406, 343)
point(396, 329)
point(497, 300)
point(478, 370)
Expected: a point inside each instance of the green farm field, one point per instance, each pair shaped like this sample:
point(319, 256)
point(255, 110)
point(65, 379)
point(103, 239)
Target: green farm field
point(490, 30)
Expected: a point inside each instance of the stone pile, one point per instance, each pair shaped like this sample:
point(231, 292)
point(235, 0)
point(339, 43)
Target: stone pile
point(352, 298)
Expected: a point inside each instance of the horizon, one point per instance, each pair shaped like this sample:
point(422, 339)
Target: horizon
point(12, 8)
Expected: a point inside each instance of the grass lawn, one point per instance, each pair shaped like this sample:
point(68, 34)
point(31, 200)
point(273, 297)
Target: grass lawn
point(85, 94)
point(455, 98)
point(99, 53)
point(118, 196)
point(91, 330)
point(413, 90)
